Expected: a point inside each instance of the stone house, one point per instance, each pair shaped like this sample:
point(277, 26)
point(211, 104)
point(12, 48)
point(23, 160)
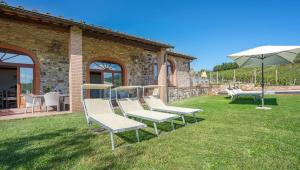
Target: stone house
point(39, 52)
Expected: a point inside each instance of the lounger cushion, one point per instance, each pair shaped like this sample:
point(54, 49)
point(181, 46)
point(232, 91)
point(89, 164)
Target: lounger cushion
point(179, 110)
point(98, 106)
point(152, 115)
point(156, 104)
point(116, 123)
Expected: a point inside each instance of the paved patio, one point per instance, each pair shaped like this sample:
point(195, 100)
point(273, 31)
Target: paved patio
point(9, 114)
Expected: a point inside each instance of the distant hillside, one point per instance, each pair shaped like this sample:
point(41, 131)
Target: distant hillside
point(287, 74)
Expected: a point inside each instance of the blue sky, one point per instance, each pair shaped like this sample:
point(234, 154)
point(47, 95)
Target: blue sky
point(206, 29)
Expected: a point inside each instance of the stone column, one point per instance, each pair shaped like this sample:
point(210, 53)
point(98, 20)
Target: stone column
point(75, 69)
point(162, 74)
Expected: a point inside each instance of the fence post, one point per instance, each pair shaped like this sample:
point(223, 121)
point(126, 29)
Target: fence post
point(223, 78)
point(234, 78)
point(276, 78)
point(254, 76)
point(217, 77)
point(209, 77)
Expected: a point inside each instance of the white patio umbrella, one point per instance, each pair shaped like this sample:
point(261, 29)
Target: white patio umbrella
point(266, 56)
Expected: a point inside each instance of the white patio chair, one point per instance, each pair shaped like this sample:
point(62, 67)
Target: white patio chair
point(66, 102)
point(32, 103)
point(52, 99)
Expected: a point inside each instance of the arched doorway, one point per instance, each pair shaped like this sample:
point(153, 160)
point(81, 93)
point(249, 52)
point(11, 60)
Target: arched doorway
point(105, 72)
point(18, 69)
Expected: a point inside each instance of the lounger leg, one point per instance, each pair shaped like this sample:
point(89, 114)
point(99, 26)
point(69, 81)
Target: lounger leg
point(183, 120)
point(112, 140)
point(194, 114)
point(155, 128)
point(172, 123)
point(137, 135)
point(90, 125)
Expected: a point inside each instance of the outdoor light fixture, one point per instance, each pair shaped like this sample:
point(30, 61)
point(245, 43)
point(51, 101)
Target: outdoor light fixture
point(135, 59)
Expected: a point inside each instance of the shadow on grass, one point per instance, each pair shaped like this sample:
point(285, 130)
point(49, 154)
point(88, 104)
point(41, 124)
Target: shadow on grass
point(167, 127)
point(191, 120)
point(58, 148)
point(247, 100)
point(130, 136)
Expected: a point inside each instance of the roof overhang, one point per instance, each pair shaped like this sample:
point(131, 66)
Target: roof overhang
point(19, 12)
point(181, 55)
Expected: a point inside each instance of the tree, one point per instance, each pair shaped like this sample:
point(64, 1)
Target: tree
point(225, 66)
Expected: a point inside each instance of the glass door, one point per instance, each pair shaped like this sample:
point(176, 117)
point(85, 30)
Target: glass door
point(26, 80)
point(108, 78)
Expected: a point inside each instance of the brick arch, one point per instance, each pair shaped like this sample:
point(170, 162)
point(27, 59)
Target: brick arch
point(36, 68)
point(111, 60)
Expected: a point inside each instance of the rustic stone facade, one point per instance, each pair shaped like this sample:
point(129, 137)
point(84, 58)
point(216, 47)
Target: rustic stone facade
point(52, 48)
point(49, 44)
point(182, 71)
point(136, 61)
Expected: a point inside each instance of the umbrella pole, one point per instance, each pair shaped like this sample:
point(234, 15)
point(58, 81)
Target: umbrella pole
point(262, 82)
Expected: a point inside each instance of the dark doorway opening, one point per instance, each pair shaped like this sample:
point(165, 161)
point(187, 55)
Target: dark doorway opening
point(8, 87)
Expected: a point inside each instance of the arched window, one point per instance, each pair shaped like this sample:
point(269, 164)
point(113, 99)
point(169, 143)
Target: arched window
point(105, 72)
point(11, 57)
point(17, 69)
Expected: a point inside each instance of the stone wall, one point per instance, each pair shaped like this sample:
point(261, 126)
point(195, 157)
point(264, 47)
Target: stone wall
point(175, 93)
point(49, 44)
point(220, 88)
point(255, 88)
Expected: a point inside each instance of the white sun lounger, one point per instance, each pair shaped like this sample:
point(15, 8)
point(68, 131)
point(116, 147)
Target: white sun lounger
point(101, 112)
point(132, 107)
point(156, 104)
point(236, 93)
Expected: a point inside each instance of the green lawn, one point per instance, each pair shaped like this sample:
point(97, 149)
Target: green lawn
point(227, 136)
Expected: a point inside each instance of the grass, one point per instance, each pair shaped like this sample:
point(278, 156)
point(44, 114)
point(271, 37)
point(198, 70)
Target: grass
point(227, 136)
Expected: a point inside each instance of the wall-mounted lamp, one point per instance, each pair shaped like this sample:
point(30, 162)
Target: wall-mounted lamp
point(135, 59)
